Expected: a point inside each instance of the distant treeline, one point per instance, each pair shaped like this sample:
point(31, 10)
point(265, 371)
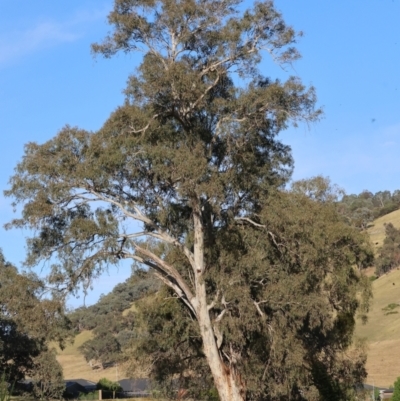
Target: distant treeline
point(360, 210)
point(113, 330)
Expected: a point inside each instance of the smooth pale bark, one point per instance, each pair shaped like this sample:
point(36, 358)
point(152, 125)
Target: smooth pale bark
point(224, 377)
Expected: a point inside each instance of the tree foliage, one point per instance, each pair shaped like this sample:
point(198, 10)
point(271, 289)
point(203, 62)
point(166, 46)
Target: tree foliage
point(396, 392)
point(318, 188)
point(291, 343)
point(186, 179)
point(108, 385)
point(389, 254)
point(110, 306)
point(47, 376)
point(103, 349)
point(109, 320)
point(360, 210)
point(27, 322)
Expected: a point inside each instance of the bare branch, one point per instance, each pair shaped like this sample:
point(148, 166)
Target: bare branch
point(259, 309)
point(139, 216)
point(213, 303)
point(219, 336)
point(192, 106)
point(170, 281)
point(144, 129)
point(220, 316)
point(198, 239)
point(250, 221)
point(169, 270)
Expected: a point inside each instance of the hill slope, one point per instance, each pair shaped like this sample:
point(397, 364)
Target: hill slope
point(382, 331)
point(376, 230)
point(74, 364)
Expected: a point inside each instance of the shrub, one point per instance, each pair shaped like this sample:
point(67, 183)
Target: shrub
point(396, 392)
point(94, 395)
point(108, 385)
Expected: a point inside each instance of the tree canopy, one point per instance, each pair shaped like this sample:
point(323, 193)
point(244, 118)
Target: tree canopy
point(288, 319)
point(186, 178)
point(360, 210)
point(27, 321)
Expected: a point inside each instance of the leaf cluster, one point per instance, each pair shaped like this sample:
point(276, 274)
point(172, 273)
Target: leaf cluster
point(106, 384)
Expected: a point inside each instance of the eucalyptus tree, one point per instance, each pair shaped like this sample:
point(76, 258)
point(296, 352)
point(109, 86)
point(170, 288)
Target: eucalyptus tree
point(291, 294)
point(28, 322)
point(180, 177)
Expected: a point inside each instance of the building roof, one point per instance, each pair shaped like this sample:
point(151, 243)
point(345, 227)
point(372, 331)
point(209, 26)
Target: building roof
point(371, 387)
point(82, 382)
point(73, 388)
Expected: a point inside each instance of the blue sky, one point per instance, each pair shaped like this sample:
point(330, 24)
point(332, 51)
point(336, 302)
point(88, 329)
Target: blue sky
point(351, 54)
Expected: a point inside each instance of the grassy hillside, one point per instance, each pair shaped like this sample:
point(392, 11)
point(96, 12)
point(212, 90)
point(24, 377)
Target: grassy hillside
point(377, 229)
point(74, 364)
point(382, 331)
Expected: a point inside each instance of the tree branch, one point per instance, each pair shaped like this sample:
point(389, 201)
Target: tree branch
point(250, 221)
point(171, 281)
point(139, 216)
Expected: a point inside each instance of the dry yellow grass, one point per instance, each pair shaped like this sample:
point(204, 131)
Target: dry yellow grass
point(382, 332)
point(74, 364)
point(377, 229)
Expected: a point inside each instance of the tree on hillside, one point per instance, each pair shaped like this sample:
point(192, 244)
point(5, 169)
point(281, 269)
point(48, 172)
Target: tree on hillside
point(360, 210)
point(185, 179)
point(111, 306)
point(389, 254)
point(111, 321)
point(104, 349)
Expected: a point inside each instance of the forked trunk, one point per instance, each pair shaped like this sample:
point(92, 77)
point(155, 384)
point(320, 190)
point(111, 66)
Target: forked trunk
point(224, 378)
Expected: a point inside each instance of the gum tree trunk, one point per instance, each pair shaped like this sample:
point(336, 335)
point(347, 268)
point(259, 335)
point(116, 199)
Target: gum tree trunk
point(224, 377)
